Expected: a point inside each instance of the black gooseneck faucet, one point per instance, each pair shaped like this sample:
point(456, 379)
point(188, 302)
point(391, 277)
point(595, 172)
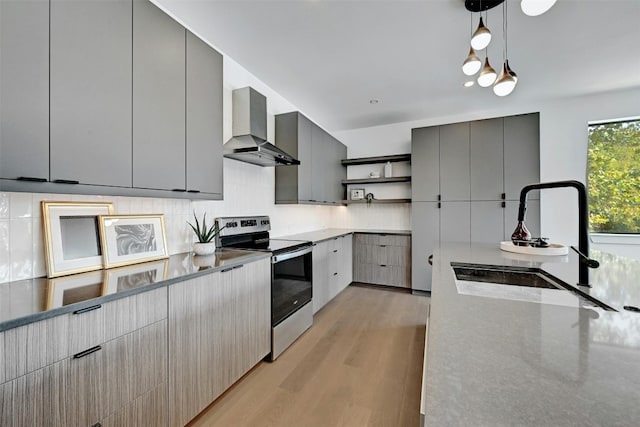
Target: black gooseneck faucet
point(583, 222)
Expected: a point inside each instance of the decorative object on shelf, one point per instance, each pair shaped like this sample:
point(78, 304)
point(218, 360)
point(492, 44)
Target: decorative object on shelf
point(357, 193)
point(131, 239)
point(388, 170)
point(133, 276)
point(506, 82)
point(71, 236)
point(205, 244)
point(67, 290)
point(369, 198)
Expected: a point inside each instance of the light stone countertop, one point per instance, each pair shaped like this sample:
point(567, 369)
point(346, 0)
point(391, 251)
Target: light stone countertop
point(27, 301)
point(330, 233)
point(499, 362)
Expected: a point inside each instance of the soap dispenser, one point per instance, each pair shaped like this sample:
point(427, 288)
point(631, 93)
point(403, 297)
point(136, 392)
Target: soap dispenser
point(388, 170)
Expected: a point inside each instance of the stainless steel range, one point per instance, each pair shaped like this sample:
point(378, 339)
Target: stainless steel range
point(291, 287)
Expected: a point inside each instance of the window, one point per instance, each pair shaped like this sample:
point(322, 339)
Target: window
point(613, 176)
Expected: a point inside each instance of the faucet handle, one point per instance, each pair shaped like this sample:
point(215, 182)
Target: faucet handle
point(591, 263)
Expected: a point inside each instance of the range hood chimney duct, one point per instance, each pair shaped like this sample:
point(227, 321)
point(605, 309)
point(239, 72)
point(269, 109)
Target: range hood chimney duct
point(249, 142)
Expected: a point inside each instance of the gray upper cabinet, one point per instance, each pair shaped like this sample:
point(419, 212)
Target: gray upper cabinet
point(425, 153)
point(521, 154)
point(158, 99)
point(487, 221)
point(486, 159)
point(24, 89)
point(318, 178)
point(91, 92)
point(293, 135)
point(455, 222)
point(454, 162)
point(204, 117)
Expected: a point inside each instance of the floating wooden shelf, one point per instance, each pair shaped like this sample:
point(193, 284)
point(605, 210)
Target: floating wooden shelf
point(376, 180)
point(379, 159)
point(349, 202)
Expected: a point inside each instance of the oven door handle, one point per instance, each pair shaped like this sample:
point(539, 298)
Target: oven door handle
point(288, 255)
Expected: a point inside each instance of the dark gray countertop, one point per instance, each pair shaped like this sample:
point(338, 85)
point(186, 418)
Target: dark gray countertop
point(27, 301)
point(502, 362)
point(330, 233)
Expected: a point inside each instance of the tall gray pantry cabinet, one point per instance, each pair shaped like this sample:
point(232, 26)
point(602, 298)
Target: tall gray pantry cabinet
point(467, 179)
point(108, 97)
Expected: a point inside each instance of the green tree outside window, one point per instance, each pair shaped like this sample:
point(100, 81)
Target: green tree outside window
point(613, 176)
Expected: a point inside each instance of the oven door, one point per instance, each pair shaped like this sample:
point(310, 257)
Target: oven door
point(291, 286)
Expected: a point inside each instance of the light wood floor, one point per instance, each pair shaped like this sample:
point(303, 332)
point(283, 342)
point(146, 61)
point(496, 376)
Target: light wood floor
point(359, 365)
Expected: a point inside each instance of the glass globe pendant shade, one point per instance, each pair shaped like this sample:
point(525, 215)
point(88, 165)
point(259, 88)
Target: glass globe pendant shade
point(536, 7)
point(505, 83)
point(472, 64)
point(487, 75)
point(481, 37)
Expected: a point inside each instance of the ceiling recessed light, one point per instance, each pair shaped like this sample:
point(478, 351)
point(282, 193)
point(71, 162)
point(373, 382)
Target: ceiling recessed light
point(469, 83)
point(374, 101)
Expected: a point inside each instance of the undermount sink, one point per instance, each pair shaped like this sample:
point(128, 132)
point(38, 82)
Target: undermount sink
point(521, 284)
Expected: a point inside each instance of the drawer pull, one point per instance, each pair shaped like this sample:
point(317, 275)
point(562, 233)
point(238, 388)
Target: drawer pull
point(87, 352)
point(335, 250)
point(86, 309)
point(179, 190)
point(383, 265)
point(226, 270)
point(335, 274)
point(66, 181)
point(31, 179)
point(430, 259)
point(193, 191)
point(383, 246)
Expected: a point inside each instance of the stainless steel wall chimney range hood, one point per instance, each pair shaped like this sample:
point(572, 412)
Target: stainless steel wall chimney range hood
point(249, 142)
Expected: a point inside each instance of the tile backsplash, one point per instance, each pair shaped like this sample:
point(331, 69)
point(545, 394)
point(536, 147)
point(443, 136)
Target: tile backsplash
point(248, 190)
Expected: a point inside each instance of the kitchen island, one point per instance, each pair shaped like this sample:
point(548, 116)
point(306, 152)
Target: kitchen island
point(497, 362)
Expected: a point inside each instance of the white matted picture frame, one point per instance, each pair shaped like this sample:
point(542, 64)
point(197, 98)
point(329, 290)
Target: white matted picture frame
point(72, 237)
point(133, 276)
point(131, 239)
point(357, 193)
point(75, 288)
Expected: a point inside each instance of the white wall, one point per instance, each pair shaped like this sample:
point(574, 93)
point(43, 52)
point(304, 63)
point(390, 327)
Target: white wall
point(563, 149)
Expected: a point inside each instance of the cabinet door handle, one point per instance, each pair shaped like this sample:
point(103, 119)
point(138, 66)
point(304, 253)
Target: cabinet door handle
point(335, 274)
point(439, 197)
point(86, 309)
point(179, 190)
point(66, 181)
point(335, 250)
point(97, 425)
point(439, 205)
point(504, 196)
point(31, 179)
point(87, 352)
point(193, 191)
point(383, 265)
point(503, 204)
point(430, 259)
point(383, 246)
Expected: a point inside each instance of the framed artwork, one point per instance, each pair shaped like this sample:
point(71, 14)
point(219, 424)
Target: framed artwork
point(133, 276)
point(67, 290)
point(71, 236)
point(131, 239)
point(357, 193)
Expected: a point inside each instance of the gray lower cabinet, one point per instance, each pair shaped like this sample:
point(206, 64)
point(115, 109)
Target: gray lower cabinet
point(80, 369)
point(318, 178)
point(24, 85)
point(425, 229)
point(320, 271)
point(332, 269)
point(219, 328)
point(382, 259)
point(158, 99)
point(91, 92)
point(204, 117)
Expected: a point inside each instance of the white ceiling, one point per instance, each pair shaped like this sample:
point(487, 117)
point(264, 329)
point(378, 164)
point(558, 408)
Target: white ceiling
point(330, 57)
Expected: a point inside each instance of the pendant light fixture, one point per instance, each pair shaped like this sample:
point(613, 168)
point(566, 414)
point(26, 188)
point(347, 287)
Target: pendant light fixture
point(472, 63)
point(505, 83)
point(481, 38)
point(487, 75)
point(536, 7)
